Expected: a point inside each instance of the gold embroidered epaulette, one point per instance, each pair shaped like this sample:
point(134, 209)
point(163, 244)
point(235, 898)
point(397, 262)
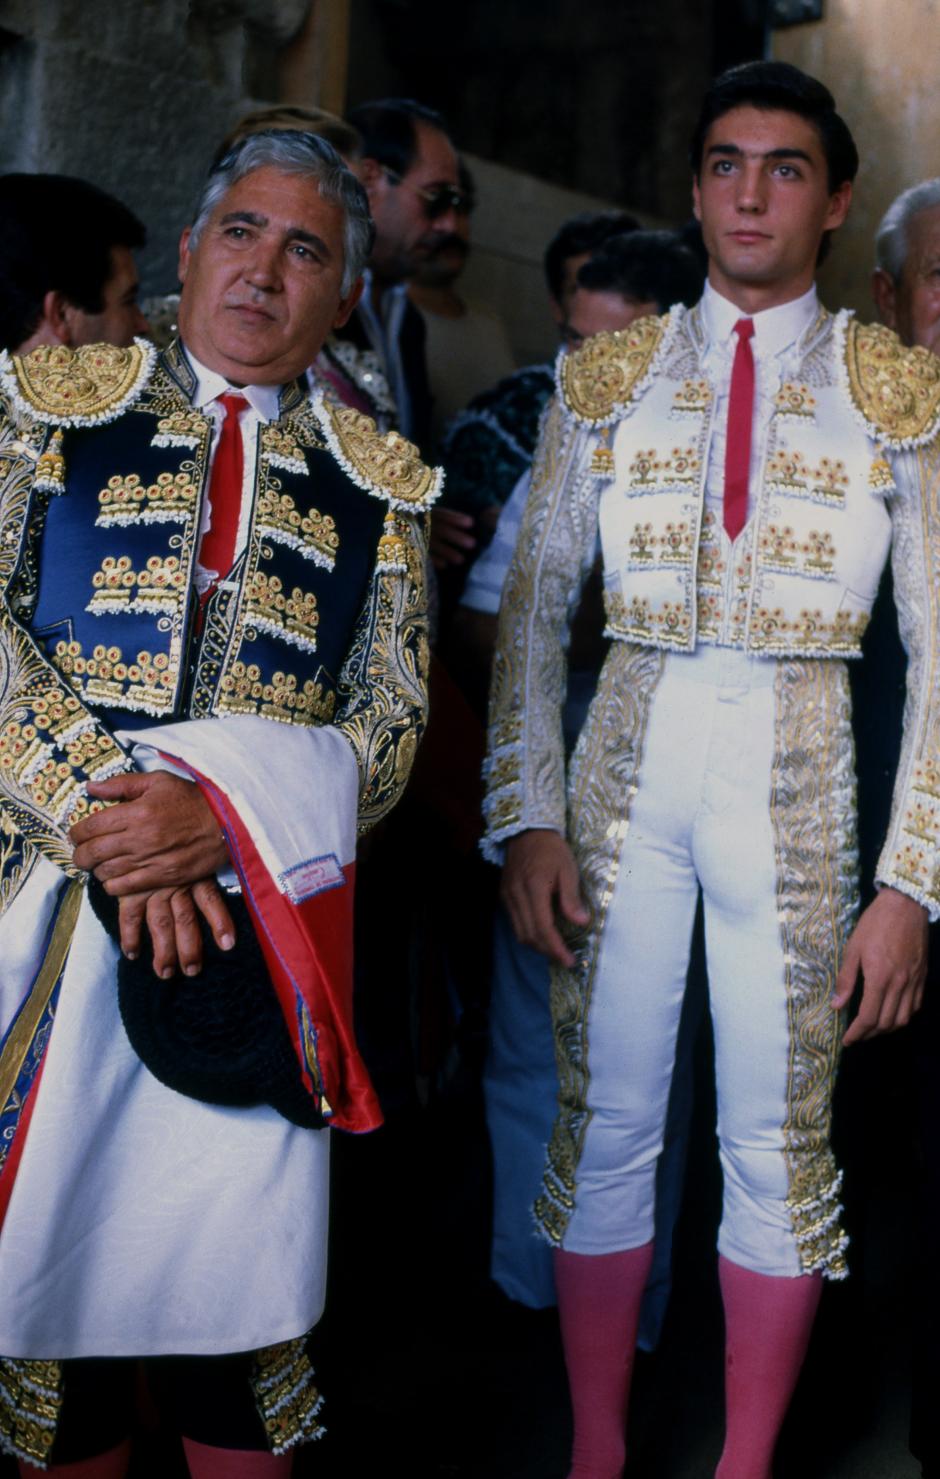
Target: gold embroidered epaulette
point(895, 390)
point(599, 380)
point(76, 387)
point(387, 466)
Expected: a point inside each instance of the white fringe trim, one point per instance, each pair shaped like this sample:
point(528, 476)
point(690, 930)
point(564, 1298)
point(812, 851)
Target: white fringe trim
point(298, 543)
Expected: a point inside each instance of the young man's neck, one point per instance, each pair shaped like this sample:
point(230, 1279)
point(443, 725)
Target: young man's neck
point(754, 298)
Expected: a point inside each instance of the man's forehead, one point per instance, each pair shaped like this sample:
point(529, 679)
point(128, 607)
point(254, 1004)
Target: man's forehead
point(277, 197)
point(435, 158)
point(758, 131)
point(923, 234)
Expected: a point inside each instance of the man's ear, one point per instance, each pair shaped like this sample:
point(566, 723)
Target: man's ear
point(696, 199)
point(57, 316)
point(347, 304)
point(884, 293)
point(370, 174)
point(183, 266)
point(839, 204)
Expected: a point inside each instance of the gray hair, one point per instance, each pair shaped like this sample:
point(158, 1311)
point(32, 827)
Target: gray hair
point(307, 155)
point(891, 243)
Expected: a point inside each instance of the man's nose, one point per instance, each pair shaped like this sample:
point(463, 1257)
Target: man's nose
point(447, 222)
point(751, 194)
point(262, 269)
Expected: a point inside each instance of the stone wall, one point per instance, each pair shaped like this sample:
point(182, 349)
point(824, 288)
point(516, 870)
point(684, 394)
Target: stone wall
point(883, 65)
point(136, 94)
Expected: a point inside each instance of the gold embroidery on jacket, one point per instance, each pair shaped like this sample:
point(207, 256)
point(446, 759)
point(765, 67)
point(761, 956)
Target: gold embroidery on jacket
point(170, 498)
point(896, 390)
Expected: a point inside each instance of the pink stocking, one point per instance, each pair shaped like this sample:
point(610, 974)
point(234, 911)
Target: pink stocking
point(110, 1465)
point(234, 1463)
point(599, 1297)
point(767, 1328)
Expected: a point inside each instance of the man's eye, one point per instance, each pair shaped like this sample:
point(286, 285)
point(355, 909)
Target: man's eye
point(723, 166)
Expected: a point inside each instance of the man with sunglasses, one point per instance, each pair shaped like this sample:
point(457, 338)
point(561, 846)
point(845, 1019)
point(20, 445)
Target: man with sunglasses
point(410, 171)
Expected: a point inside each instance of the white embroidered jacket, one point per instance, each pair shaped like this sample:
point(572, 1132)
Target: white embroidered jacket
point(851, 469)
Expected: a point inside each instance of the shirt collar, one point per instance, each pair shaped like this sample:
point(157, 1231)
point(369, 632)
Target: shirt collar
point(265, 399)
point(775, 329)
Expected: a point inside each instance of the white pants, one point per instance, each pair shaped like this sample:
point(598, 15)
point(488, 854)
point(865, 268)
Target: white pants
point(733, 774)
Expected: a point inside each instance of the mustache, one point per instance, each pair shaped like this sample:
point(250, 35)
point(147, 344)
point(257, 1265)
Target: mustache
point(449, 243)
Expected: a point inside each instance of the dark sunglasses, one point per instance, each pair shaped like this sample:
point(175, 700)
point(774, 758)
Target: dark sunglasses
point(437, 199)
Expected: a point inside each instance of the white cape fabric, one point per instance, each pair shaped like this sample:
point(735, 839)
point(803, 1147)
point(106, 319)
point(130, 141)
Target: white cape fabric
point(143, 1222)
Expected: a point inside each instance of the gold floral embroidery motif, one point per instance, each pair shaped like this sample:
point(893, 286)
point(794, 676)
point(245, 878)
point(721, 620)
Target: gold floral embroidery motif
point(280, 448)
point(126, 500)
point(780, 549)
point(644, 470)
point(181, 428)
point(692, 398)
point(243, 690)
point(813, 818)
point(795, 401)
point(105, 678)
point(294, 618)
point(818, 552)
point(790, 473)
point(642, 544)
point(668, 626)
point(787, 472)
point(895, 389)
point(607, 370)
point(810, 631)
point(829, 480)
point(158, 588)
point(605, 769)
point(312, 534)
point(672, 547)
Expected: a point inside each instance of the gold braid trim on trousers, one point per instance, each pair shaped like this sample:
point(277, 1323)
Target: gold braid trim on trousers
point(604, 771)
point(813, 816)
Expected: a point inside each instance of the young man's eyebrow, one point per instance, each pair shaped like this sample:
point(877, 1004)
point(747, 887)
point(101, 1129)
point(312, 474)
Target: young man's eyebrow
point(736, 152)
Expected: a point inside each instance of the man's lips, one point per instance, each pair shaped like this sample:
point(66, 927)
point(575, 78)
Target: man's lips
point(748, 237)
point(251, 312)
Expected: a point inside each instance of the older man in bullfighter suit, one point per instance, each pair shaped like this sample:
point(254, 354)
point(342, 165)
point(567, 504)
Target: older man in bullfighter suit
point(212, 673)
point(747, 464)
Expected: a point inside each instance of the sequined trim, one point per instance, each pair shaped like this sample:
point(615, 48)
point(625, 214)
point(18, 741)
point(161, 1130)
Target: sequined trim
point(286, 1395)
point(813, 816)
point(77, 387)
point(30, 1404)
point(605, 769)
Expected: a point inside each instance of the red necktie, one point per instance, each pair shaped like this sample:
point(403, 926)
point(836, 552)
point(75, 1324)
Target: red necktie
point(217, 551)
point(740, 417)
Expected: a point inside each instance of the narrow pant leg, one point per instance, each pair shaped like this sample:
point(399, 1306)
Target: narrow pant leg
point(775, 852)
point(520, 1091)
point(633, 796)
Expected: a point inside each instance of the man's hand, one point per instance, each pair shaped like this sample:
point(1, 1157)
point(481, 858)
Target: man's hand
point(889, 947)
point(540, 869)
point(451, 537)
point(170, 916)
point(161, 834)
